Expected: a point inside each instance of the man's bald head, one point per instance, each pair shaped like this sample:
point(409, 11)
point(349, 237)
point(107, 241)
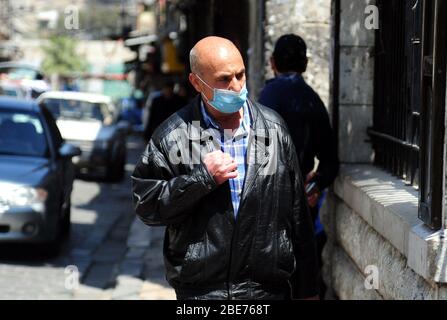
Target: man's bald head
point(211, 51)
point(216, 63)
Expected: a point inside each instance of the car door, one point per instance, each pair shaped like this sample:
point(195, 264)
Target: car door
point(64, 167)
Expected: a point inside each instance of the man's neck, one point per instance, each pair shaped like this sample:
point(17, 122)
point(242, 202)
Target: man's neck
point(226, 121)
point(287, 73)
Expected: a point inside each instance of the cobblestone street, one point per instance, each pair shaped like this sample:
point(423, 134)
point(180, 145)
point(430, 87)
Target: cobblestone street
point(117, 256)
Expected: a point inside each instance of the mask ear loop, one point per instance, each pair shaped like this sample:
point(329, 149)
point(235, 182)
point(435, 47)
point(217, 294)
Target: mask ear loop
point(214, 89)
point(203, 81)
point(203, 95)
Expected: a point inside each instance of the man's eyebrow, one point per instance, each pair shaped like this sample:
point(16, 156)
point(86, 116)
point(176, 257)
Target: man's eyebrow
point(228, 74)
point(223, 74)
point(224, 77)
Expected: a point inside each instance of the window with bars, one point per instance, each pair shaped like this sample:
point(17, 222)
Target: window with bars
point(409, 97)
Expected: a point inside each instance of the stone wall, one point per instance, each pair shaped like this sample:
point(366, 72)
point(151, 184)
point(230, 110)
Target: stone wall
point(255, 63)
point(371, 217)
point(445, 162)
point(356, 82)
point(371, 221)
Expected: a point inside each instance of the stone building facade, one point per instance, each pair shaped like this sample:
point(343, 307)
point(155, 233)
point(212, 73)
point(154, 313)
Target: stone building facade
point(377, 246)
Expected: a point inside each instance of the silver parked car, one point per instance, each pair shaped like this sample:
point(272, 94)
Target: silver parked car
point(90, 121)
point(28, 77)
point(36, 175)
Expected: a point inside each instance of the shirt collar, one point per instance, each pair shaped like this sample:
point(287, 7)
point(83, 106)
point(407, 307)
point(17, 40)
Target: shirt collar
point(289, 75)
point(210, 122)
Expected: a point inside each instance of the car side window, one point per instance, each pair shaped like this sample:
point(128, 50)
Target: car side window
point(55, 134)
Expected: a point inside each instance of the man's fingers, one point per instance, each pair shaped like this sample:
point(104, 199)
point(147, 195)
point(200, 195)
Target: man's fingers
point(312, 200)
point(227, 168)
point(230, 167)
point(227, 158)
point(221, 165)
point(228, 162)
point(231, 175)
point(219, 156)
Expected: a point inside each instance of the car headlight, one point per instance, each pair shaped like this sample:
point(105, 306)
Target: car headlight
point(14, 195)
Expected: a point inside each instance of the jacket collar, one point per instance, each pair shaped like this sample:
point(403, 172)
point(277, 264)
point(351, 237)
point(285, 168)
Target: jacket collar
point(257, 123)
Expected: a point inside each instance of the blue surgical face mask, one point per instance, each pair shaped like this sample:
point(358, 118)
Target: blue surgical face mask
point(226, 101)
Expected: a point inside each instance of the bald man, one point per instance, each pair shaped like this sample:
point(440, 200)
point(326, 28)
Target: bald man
point(222, 175)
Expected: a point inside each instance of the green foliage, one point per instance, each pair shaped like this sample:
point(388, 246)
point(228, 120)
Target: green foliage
point(61, 58)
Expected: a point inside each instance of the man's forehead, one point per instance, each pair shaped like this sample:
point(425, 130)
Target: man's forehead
point(220, 58)
point(221, 55)
point(228, 66)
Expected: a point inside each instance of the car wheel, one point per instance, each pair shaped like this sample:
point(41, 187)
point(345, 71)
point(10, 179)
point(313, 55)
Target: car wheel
point(52, 248)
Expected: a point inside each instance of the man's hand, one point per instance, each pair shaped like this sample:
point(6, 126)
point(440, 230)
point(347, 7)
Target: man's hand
point(312, 197)
point(221, 166)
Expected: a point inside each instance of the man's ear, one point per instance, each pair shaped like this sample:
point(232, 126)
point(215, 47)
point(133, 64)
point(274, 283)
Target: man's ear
point(194, 82)
point(305, 65)
point(273, 65)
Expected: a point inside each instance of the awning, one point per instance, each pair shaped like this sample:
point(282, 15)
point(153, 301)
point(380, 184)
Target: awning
point(137, 41)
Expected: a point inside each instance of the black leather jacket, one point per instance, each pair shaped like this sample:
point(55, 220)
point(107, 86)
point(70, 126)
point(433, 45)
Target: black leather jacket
point(263, 253)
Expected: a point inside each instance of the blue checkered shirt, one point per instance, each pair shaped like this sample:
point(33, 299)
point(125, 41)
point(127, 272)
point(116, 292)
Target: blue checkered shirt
point(236, 145)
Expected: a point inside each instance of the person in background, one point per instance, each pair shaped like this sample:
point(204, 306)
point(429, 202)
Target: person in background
point(183, 90)
point(69, 84)
point(308, 122)
point(162, 107)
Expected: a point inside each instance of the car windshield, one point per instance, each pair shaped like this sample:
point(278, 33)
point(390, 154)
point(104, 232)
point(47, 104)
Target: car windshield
point(77, 110)
point(21, 134)
point(18, 73)
point(10, 92)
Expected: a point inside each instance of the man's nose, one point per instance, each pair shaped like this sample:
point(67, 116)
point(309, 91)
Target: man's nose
point(236, 85)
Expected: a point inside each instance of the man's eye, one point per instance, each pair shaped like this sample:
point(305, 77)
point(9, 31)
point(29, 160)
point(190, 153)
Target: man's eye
point(240, 75)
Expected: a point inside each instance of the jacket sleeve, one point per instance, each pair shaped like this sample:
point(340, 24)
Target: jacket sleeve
point(270, 97)
point(304, 281)
point(326, 148)
point(159, 197)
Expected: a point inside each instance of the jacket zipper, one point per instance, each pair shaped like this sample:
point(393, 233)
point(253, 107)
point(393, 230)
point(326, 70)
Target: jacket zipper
point(229, 282)
point(236, 224)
